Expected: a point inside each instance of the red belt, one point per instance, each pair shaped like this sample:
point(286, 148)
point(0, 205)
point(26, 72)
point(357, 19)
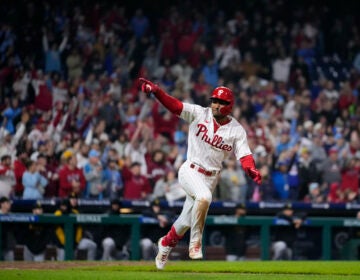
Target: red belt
point(202, 170)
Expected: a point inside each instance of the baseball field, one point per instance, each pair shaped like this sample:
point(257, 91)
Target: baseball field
point(198, 270)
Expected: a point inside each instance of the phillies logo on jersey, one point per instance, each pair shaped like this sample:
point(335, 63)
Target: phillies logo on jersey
point(216, 142)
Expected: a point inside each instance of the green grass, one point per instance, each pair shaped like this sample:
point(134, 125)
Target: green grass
point(186, 270)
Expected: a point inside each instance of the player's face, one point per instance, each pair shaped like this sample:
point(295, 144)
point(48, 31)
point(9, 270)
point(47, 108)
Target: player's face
point(216, 105)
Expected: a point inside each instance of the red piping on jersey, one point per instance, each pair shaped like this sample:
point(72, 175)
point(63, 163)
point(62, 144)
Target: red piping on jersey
point(217, 125)
point(174, 105)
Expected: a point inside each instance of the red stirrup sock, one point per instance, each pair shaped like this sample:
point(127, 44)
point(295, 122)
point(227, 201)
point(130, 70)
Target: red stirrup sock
point(171, 239)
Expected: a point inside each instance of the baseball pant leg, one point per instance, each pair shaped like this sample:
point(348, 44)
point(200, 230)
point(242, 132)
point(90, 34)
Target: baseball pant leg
point(108, 245)
point(147, 249)
point(183, 222)
point(28, 256)
point(39, 257)
point(199, 187)
point(279, 249)
point(90, 246)
point(60, 254)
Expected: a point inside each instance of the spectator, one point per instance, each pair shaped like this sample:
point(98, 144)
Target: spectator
point(41, 133)
point(71, 178)
point(232, 183)
point(10, 114)
point(36, 237)
point(7, 177)
point(200, 90)
point(315, 194)
point(227, 53)
point(281, 67)
point(318, 152)
point(331, 169)
point(115, 89)
point(8, 239)
point(42, 91)
point(139, 23)
point(136, 186)
point(120, 144)
point(113, 180)
point(60, 93)
point(249, 67)
point(284, 143)
point(122, 66)
point(93, 172)
point(285, 235)
point(34, 183)
point(74, 64)
point(53, 54)
point(19, 169)
point(307, 171)
point(95, 65)
point(158, 166)
point(183, 72)
point(169, 188)
point(48, 171)
point(108, 112)
point(82, 156)
point(8, 142)
point(115, 238)
point(350, 179)
point(136, 149)
point(279, 176)
point(92, 84)
point(211, 72)
point(335, 194)
point(166, 122)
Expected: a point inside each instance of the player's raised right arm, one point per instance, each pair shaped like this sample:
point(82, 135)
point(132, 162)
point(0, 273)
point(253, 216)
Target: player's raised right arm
point(171, 103)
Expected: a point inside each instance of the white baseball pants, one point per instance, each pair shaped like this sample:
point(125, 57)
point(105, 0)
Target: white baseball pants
point(199, 188)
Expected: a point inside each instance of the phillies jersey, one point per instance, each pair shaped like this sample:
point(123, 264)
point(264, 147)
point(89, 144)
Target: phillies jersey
point(208, 148)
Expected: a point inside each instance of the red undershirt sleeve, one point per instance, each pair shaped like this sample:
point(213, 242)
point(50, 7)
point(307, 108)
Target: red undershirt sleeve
point(247, 162)
point(173, 104)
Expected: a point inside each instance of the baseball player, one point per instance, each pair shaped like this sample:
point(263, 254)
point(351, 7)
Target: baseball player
point(213, 136)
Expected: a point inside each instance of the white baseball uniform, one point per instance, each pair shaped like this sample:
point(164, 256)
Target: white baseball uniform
point(207, 149)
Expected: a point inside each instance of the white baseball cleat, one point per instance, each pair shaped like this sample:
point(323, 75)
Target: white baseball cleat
point(195, 253)
point(162, 255)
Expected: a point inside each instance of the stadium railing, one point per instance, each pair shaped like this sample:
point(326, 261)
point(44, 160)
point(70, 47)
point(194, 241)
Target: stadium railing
point(135, 222)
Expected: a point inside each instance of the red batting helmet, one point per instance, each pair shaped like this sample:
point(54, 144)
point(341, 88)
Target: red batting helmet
point(225, 94)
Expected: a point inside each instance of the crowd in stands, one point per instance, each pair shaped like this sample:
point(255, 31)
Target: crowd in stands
point(74, 120)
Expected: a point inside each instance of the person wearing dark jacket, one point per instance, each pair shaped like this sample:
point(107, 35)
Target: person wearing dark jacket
point(114, 238)
point(36, 238)
point(8, 238)
point(286, 232)
point(236, 236)
point(308, 173)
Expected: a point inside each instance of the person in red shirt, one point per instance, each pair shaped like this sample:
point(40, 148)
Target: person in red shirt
point(136, 186)
point(349, 184)
point(71, 178)
point(158, 166)
point(19, 169)
point(166, 122)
